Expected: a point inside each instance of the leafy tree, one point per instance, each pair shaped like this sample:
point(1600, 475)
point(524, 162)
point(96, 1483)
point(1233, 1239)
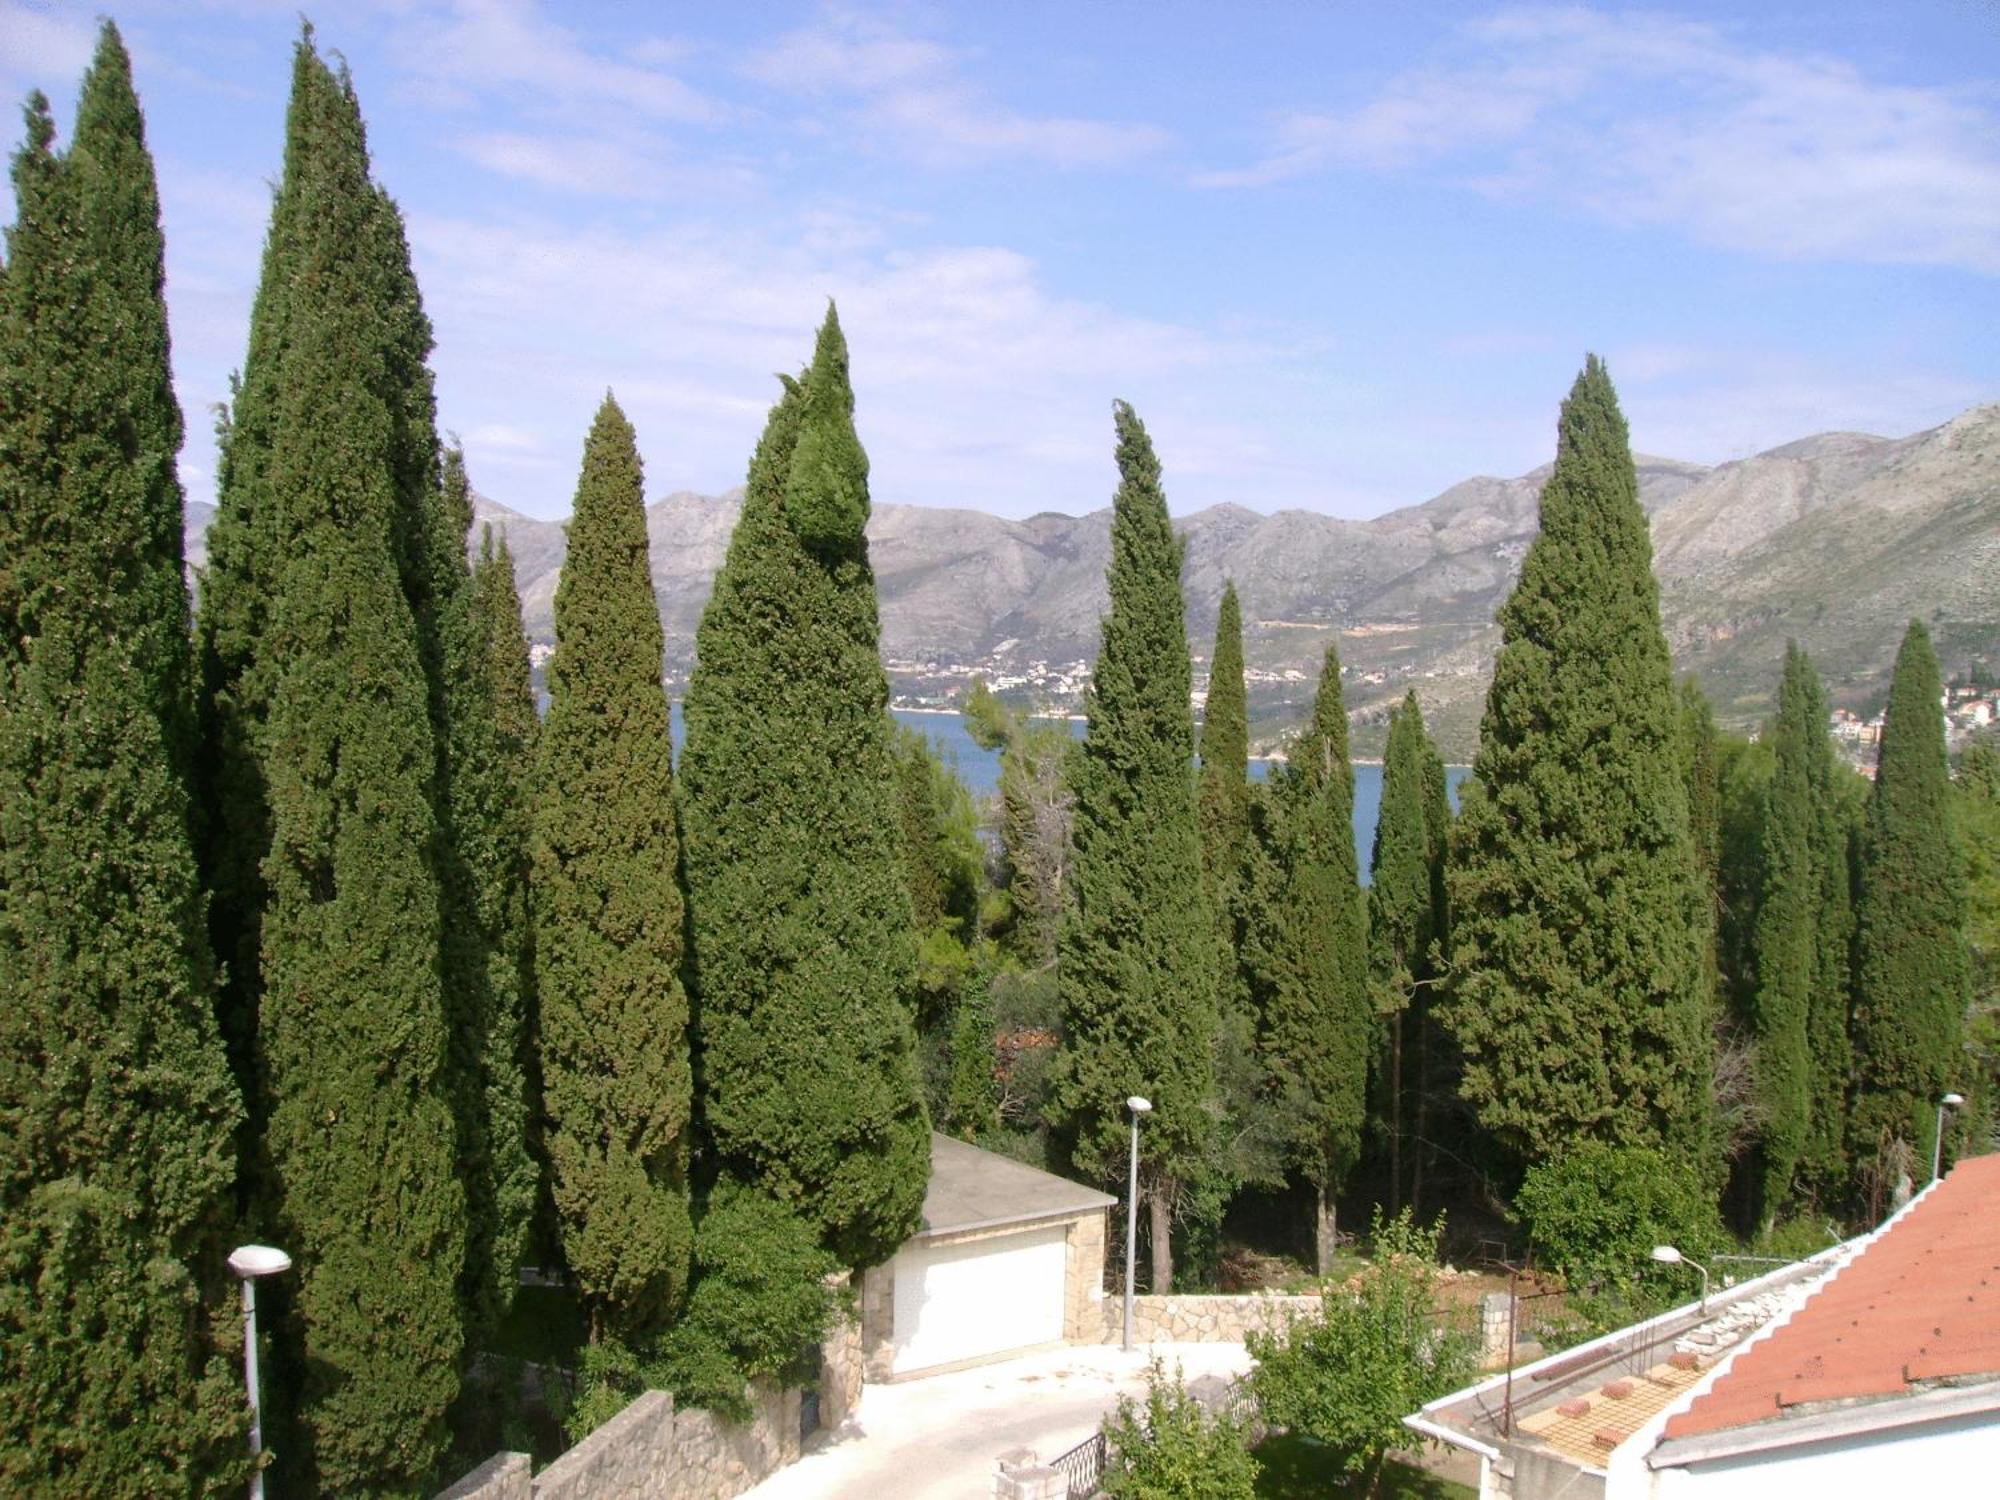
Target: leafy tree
point(1597, 1211)
point(116, 1106)
point(1912, 972)
point(608, 916)
point(351, 1026)
point(803, 935)
point(972, 1105)
point(944, 867)
point(1171, 1447)
point(1405, 921)
point(1137, 961)
point(1577, 912)
point(1312, 957)
point(1376, 1350)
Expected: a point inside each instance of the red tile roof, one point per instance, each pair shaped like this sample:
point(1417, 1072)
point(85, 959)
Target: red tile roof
point(1920, 1302)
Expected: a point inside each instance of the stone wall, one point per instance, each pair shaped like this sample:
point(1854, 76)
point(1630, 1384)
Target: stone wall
point(1202, 1320)
point(651, 1451)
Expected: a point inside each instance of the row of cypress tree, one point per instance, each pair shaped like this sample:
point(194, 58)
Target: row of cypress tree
point(457, 945)
point(1574, 960)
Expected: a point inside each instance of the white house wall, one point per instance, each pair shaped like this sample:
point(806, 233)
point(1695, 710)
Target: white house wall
point(1957, 1456)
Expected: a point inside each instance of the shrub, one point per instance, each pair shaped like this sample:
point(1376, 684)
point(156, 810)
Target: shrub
point(1375, 1351)
point(1597, 1212)
point(1171, 1447)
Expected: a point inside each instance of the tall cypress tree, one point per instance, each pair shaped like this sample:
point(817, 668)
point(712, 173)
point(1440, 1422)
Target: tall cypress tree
point(804, 954)
point(1786, 942)
point(1223, 789)
point(608, 927)
point(496, 777)
point(351, 1027)
point(1830, 1015)
point(1403, 919)
point(116, 1109)
point(1313, 991)
point(1577, 917)
point(1913, 975)
point(1136, 959)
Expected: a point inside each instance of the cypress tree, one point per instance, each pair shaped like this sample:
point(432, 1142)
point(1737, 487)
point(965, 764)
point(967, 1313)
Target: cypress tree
point(1314, 1007)
point(496, 778)
point(116, 1109)
point(1912, 973)
point(804, 952)
point(608, 929)
point(1137, 958)
point(351, 1032)
point(1577, 917)
point(1786, 943)
point(1829, 1015)
point(1402, 915)
point(1223, 789)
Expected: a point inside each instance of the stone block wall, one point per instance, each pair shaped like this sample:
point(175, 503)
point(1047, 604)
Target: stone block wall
point(1083, 1280)
point(651, 1451)
point(1202, 1320)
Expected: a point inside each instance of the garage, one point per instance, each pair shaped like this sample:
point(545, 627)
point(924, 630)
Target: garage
point(1007, 1259)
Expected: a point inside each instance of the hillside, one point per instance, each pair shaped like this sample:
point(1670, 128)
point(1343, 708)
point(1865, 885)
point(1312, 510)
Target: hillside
point(1836, 539)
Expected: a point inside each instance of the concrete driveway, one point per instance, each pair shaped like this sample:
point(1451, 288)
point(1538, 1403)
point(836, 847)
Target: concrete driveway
point(937, 1438)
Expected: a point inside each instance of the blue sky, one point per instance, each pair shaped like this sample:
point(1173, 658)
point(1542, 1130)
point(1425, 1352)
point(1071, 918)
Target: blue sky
point(1339, 255)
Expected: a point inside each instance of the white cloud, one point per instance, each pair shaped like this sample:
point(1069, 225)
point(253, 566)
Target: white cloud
point(1650, 120)
point(913, 92)
point(43, 46)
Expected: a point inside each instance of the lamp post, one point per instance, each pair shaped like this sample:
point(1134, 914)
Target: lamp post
point(1949, 1101)
point(1667, 1255)
point(1139, 1107)
point(250, 1262)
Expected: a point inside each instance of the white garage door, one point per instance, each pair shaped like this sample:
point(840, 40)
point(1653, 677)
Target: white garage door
point(970, 1300)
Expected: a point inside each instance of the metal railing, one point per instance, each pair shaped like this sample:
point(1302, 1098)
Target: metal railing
point(1082, 1467)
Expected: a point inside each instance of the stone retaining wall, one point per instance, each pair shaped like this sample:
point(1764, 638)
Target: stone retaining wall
point(1203, 1320)
point(651, 1451)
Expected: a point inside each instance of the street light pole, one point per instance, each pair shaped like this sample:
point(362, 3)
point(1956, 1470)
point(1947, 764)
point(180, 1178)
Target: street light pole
point(1949, 1101)
point(1138, 1106)
point(250, 1262)
point(1667, 1255)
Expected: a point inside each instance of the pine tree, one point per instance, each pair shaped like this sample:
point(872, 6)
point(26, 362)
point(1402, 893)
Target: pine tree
point(351, 1038)
point(1035, 808)
point(1912, 972)
point(1577, 917)
point(1403, 919)
point(803, 941)
point(608, 928)
point(1313, 991)
point(1786, 943)
point(116, 1110)
point(1137, 960)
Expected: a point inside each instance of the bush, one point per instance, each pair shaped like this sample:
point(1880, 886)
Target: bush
point(1375, 1351)
point(1597, 1213)
point(759, 1310)
point(1173, 1448)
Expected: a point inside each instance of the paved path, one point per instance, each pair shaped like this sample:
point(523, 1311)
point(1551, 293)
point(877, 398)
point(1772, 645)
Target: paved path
point(936, 1438)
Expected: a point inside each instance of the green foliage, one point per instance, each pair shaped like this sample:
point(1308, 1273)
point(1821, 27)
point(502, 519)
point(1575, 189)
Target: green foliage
point(1223, 789)
point(608, 916)
point(496, 729)
point(1578, 917)
point(1034, 810)
point(1376, 1350)
point(1598, 1211)
point(1137, 964)
point(116, 1106)
point(972, 1102)
point(1312, 948)
point(803, 936)
point(1170, 1447)
point(352, 1032)
point(1913, 974)
point(1787, 934)
point(760, 1307)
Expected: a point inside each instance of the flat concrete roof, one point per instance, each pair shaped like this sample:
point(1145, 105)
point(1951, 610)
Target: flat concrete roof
point(975, 1189)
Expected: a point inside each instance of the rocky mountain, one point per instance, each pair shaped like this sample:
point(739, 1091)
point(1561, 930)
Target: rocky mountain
point(1837, 539)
